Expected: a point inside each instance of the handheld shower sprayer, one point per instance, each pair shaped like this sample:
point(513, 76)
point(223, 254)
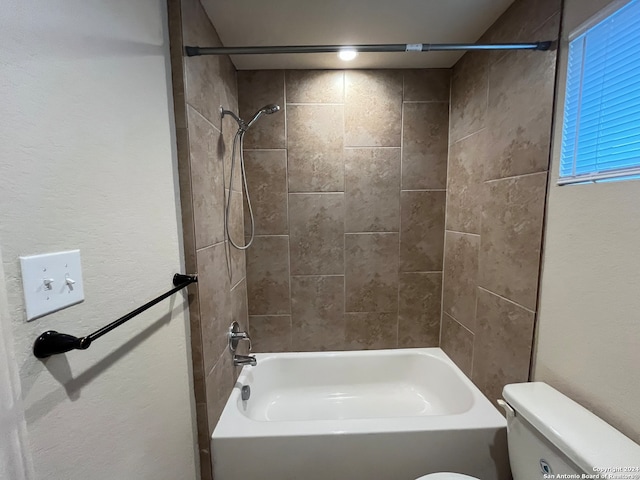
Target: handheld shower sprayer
point(268, 109)
point(238, 140)
point(244, 126)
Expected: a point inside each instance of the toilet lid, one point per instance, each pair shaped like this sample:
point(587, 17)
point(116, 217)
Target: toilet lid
point(446, 476)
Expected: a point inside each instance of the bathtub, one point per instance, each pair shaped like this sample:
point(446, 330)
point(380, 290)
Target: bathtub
point(378, 415)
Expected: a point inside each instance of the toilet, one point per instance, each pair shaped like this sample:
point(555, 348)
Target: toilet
point(551, 436)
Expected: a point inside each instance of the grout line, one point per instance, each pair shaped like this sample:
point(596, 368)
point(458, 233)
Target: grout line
point(444, 250)
point(400, 207)
point(459, 322)
point(209, 246)
point(220, 359)
point(425, 190)
point(516, 176)
point(370, 146)
point(238, 283)
point(462, 233)
point(344, 221)
point(475, 324)
point(288, 236)
point(317, 193)
point(466, 136)
point(507, 300)
point(488, 74)
point(270, 236)
point(372, 233)
point(318, 275)
point(302, 104)
point(367, 312)
point(203, 117)
point(425, 272)
point(446, 199)
point(271, 315)
point(265, 149)
point(425, 101)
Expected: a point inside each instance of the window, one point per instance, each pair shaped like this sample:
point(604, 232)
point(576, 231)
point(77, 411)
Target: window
point(601, 130)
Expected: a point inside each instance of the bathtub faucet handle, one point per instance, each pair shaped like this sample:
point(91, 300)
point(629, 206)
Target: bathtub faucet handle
point(235, 335)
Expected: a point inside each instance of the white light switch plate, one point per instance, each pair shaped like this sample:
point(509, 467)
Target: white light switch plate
point(51, 282)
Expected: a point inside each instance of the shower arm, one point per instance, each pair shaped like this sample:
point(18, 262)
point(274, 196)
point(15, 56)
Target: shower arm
point(193, 51)
point(241, 122)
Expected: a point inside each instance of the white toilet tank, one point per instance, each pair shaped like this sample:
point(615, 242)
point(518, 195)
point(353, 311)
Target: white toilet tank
point(550, 436)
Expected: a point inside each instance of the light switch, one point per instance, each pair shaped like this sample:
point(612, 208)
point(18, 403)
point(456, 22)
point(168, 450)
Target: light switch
point(51, 282)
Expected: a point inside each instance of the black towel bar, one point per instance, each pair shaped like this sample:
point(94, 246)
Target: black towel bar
point(52, 342)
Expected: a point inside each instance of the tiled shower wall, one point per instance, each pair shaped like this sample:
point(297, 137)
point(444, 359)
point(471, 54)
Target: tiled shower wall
point(501, 113)
point(200, 86)
point(348, 188)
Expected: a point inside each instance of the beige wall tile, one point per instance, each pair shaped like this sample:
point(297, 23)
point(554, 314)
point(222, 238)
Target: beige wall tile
point(206, 466)
point(315, 86)
point(268, 275)
point(421, 231)
point(372, 189)
point(469, 86)
point(186, 200)
point(315, 148)
point(204, 157)
point(419, 309)
point(236, 228)
point(373, 108)
point(210, 79)
point(370, 331)
point(225, 150)
point(520, 111)
point(511, 237)
point(176, 52)
point(317, 313)
point(467, 160)
point(520, 21)
point(271, 333)
point(502, 347)
point(206, 181)
point(427, 85)
point(371, 272)
point(267, 182)
point(257, 89)
point(461, 277)
point(214, 291)
point(457, 342)
point(316, 226)
point(239, 305)
point(424, 145)
point(202, 425)
point(220, 381)
point(197, 347)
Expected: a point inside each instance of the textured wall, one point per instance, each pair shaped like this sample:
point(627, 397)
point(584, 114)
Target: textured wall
point(588, 329)
point(87, 161)
point(201, 86)
point(501, 112)
point(348, 186)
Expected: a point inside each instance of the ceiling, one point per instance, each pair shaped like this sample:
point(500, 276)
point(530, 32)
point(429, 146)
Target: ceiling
point(345, 22)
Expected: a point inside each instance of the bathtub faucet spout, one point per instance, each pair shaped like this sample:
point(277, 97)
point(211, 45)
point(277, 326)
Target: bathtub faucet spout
point(239, 360)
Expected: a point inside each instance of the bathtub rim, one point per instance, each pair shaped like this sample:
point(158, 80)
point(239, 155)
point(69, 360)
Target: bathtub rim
point(234, 424)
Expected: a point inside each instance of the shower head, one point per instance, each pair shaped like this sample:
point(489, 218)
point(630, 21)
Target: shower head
point(268, 109)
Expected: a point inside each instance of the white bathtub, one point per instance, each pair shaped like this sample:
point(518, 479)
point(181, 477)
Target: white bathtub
point(379, 415)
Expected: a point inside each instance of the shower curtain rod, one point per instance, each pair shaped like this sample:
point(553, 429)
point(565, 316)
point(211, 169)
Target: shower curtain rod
point(193, 51)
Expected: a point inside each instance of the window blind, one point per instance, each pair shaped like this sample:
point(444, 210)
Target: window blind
point(601, 130)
